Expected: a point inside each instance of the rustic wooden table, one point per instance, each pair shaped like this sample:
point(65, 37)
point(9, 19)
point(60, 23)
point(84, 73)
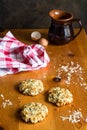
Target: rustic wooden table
point(71, 61)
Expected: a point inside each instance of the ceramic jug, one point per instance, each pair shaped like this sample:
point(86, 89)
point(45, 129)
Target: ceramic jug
point(61, 29)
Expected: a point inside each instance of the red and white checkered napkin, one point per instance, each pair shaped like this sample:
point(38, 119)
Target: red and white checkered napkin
point(16, 56)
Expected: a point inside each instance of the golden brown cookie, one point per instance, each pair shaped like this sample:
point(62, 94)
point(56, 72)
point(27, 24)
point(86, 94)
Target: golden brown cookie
point(34, 112)
point(60, 96)
point(31, 87)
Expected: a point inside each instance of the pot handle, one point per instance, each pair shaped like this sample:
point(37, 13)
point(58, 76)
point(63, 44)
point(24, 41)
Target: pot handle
point(80, 26)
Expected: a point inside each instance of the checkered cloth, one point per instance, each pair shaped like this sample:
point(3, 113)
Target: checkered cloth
point(16, 56)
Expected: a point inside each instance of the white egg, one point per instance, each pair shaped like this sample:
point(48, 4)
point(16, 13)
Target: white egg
point(35, 36)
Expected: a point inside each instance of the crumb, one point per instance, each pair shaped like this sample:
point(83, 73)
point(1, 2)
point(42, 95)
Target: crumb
point(57, 79)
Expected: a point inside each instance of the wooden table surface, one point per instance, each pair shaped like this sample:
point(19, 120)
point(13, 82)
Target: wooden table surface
point(72, 55)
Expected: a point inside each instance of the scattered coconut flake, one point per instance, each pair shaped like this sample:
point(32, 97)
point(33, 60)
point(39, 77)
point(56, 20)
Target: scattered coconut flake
point(5, 102)
point(86, 119)
point(70, 70)
point(2, 96)
point(74, 117)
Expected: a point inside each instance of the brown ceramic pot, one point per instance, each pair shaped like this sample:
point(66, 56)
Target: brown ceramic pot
point(61, 29)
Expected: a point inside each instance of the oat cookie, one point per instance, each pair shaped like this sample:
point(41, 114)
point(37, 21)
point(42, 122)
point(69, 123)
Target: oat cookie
point(60, 96)
point(31, 87)
point(33, 112)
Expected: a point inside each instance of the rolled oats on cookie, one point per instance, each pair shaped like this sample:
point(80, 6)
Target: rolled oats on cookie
point(60, 96)
point(34, 112)
point(31, 87)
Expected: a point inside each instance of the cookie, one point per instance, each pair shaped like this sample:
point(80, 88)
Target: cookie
point(60, 96)
point(33, 112)
point(31, 87)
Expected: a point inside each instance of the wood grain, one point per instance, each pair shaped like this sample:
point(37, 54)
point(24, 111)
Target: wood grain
point(59, 55)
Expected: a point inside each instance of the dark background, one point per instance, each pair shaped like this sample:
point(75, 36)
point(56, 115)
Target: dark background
point(34, 13)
